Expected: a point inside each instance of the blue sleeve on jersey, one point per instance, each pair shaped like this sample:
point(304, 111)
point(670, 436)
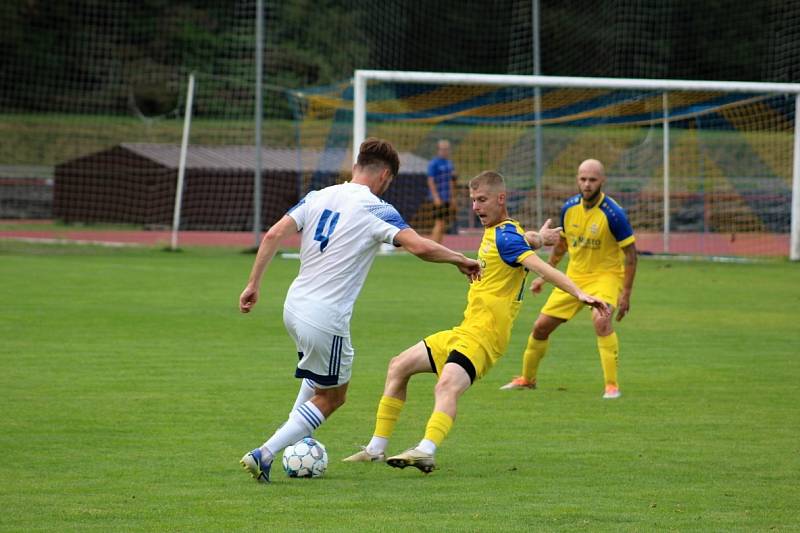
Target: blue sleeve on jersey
point(388, 214)
point(617, 219)
point(510, 244)
point(295, 206)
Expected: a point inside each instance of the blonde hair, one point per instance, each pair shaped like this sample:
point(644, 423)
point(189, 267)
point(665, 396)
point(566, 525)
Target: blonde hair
point(493, 180)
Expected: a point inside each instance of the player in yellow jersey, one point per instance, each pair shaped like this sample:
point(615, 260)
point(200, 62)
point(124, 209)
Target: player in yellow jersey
point(465, 353)
point(602, 261)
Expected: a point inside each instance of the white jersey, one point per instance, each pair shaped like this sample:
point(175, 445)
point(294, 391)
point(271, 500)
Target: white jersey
point(343, 227)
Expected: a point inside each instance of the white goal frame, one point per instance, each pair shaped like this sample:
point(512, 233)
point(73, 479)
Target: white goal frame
point(361, 77)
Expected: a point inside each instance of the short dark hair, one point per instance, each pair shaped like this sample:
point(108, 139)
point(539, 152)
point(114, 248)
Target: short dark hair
point(377, 151)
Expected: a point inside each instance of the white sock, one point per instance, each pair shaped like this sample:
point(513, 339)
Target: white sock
point(377, 445)
point(427, 446)
point(306, 392)
point(301, 423)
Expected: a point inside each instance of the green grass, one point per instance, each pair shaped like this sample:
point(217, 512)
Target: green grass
point(63, 227)
point(131, 386)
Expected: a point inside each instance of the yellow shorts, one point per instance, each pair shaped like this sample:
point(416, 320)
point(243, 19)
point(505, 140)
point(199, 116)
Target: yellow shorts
point(441, 345)
point(561, 304)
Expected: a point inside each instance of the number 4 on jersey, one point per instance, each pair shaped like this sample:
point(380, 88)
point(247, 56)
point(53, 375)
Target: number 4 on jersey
point(327, 220)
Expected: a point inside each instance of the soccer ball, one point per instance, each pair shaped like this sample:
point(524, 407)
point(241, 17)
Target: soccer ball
point(305, 458)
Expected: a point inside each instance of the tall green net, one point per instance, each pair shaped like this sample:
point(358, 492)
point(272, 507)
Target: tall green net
point(93, 94)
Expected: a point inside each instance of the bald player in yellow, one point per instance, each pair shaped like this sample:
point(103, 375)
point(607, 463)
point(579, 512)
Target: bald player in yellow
point(465, 353)
point(602, 261)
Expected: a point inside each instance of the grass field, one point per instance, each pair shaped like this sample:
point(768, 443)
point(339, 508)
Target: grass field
point(131, 386)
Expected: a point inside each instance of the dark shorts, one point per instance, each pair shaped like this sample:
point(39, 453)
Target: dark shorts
point(441, 211)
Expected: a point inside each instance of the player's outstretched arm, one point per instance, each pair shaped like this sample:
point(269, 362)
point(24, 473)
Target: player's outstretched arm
point(266, 251)
point(434, 252)
point(560, 280)
point(558, 252)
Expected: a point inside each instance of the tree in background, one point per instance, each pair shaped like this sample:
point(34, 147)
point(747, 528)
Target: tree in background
point(111, 56)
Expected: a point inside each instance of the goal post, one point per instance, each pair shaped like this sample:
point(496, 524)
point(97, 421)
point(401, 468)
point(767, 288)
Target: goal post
point(794, 252)
point(187, 124)
point(738, 137)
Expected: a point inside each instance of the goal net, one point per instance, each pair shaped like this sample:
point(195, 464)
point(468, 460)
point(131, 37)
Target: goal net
point(700, 167)
point(92, 102)
point(93, 97)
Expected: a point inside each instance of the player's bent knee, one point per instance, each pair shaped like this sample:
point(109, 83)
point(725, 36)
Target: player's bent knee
point(398, 367)
point(446, 387)
point(545, 325)
point(410, 362)
point(603, 326)
point(541, 331)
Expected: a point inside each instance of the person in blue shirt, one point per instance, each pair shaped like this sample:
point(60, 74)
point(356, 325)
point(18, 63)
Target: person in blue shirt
point(441, 174)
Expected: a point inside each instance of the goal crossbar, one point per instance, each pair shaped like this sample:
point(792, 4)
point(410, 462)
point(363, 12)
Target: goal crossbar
point(576, 82)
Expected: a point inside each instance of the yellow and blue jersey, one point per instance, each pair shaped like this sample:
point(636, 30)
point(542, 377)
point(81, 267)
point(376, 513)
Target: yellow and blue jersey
point(595, 236)
point(494, 302)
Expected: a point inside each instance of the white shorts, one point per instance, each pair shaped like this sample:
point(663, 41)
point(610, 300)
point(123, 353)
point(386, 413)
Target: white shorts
point(325, 358)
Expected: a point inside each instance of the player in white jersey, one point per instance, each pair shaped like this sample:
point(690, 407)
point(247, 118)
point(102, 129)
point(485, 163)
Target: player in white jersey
point(342, 229)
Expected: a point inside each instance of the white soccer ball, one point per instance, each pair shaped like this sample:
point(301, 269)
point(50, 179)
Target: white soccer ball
point(305, 458)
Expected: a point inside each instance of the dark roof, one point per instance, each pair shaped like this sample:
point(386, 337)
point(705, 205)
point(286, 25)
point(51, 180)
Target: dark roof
point(243, 158)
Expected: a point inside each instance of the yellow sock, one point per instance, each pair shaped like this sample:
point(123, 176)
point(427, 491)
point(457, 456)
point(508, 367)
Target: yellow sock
point(608, 347)
point(438, 427)
point(386, 418)
point(534, 352)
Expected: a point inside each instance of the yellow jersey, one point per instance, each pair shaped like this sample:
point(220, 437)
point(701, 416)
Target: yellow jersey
point(595, 236)
point(494, 302)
